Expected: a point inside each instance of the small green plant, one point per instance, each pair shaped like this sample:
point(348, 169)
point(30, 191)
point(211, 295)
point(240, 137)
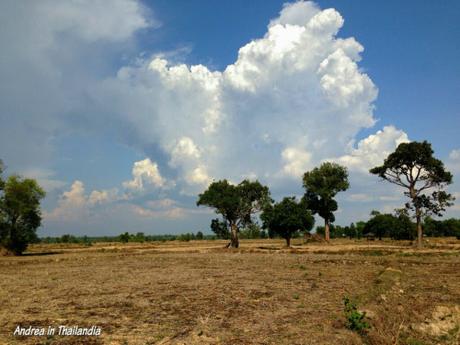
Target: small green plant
point(355, 319)
point(296, 296)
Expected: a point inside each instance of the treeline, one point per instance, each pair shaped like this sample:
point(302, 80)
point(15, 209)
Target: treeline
point(380, 225)
point(439, 228)
point(126, 237)
point(252, 232)
point(397, 227)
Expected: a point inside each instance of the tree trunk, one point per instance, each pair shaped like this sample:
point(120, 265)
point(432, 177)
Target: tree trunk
point(419, 231)
point(234, 236)
point(288, 242)
point(418, 217)
point(327, 236)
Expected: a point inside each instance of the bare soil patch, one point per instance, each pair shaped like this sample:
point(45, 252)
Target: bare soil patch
point(262, 293)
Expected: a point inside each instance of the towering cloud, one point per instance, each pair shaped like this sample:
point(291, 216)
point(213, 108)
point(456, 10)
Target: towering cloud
point(291, 99)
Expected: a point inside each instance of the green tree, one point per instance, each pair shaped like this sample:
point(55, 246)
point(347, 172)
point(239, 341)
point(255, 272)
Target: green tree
point(406, 229)
point(20, 214)
point(124, 238)
point(236, 203)
point(359, 228)
point(351, 231)
point(199, 235)
point(413, 167)
point(67, 238)
point(286, 218)
point(321, 185)
point(251, 231)
point(380, 225)
point(437, 228)
point(140, 237)
point(2, 183)
point(398, 227)
point(220, 229)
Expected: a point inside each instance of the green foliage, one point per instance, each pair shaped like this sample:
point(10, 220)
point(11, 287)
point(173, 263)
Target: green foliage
point(447, 227)
point(20, 214)
point(220, 229)
point(360, 228)
point(236, 203)
point(2, 183)
point(287, 217)
point(351, 231)
point(355, 319)
point(387, 225)
point(124, 238)
point(413, 167)
point(68, 239)
point(199, 235)
point(139, 237)
point(321, 185)
point(186, 237)
point(405, 229)
point(337, 231)
point(251, 231)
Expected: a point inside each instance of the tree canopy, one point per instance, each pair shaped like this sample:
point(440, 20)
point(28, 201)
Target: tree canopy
point(20, 214)
point(287, 217)
point(1, 172)
point(387, 225)
point(321, 185)
point(220, 229)
point(236, 203)
point(413, 167)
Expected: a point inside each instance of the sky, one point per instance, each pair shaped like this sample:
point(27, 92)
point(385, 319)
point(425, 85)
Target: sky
point(125, 113)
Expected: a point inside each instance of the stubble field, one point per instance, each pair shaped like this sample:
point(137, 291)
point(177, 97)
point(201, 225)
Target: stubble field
point(200, 293)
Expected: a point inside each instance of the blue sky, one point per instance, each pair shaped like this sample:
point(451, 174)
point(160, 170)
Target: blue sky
point(103, 107)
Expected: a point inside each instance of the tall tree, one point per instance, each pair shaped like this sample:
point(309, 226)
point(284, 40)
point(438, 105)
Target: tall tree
point(20, 214)
point(2, 184)
point(321, 185)
point(286, 218)
point(413, 167)
point(236, 203)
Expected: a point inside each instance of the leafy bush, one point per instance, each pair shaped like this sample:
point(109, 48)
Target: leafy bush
point(124, 238)
point(355, 319)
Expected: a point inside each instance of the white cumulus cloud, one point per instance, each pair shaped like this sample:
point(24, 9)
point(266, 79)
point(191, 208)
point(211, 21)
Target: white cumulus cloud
point(297, 161)
point(290, 99)
point(75, 204)
point(372, 151)
point(145, 173)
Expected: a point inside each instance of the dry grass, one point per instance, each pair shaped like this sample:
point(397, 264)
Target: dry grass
point(200, 293)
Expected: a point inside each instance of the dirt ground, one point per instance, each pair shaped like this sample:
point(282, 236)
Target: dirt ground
point(200, 293)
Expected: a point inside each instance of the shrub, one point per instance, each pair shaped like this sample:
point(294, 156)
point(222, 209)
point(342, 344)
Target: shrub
point(355, 319)
point(124, 238)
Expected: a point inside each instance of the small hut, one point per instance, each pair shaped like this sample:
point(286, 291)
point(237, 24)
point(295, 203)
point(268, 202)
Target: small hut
point(370, 236)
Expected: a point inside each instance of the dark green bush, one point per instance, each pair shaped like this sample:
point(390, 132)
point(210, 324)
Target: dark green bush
point(355, 319)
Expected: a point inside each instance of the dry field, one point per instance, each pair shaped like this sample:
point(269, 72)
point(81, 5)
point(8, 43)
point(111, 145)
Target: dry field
point(199, 293)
